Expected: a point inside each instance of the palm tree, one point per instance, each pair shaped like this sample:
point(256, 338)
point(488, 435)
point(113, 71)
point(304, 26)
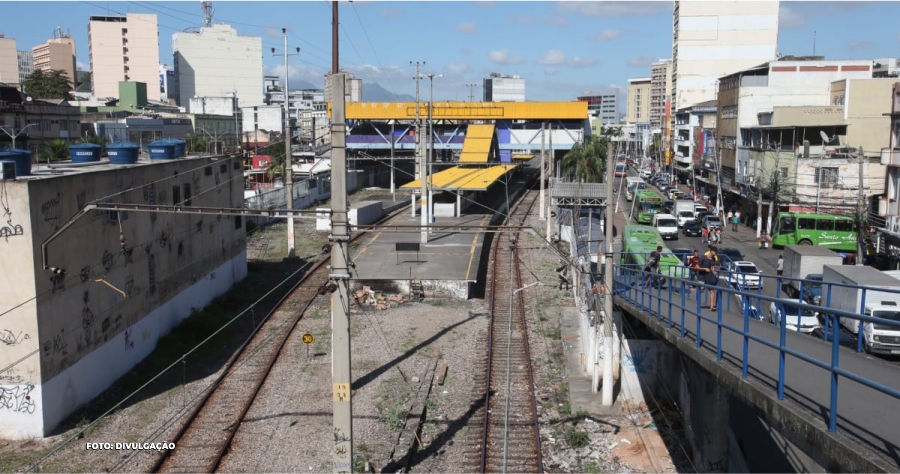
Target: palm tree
point(55, 151)
point(585, 162)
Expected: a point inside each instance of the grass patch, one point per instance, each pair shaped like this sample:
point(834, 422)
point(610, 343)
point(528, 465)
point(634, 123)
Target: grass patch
point(556, 334)
point(392, 406)
point(592, 468)
point(577, 438)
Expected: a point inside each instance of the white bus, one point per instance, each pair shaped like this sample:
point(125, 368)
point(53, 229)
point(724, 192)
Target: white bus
point(632, 185)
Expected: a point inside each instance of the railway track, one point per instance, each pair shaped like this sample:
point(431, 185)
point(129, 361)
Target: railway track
point(207, 433)
point(510, 439)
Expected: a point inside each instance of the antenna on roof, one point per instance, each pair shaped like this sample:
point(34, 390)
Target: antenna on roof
point(208, 11)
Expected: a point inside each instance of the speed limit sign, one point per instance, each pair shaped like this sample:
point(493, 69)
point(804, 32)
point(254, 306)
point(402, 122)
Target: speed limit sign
point(307, 338)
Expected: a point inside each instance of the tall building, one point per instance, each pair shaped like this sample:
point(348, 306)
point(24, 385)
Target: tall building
point(499, 88)
point(26, 64)
point(714, 39)
point(57, 53)
point(217, 62)
point(124, 48)
point(604, 105)
point(352, 89)
point(660, 91)
point(9, 62)
point(637, 108)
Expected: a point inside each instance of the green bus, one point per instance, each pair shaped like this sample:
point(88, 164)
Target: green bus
point(645, 204)
point(637, 243)
point(827, 230)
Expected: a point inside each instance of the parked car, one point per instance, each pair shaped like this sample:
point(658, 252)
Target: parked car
point(711, 221)
point(683, 217)
point(795, 317)
point(733, 254)
point(692, 228)
point(812, 288)
point(742, 274)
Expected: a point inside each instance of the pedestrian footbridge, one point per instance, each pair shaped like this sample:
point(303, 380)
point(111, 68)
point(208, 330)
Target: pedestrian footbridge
point(841, 407)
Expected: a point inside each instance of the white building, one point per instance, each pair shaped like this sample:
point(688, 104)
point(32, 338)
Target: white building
point(213, 105)
point(660, 91)
point(26, 64)
point(124, 48)
point(714, 39)
point(9, 62)
point(353, 88)
point(499, 88)
point(269, 118)
point(217, 62)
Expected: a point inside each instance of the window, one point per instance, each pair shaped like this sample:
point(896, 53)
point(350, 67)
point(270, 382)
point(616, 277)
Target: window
point(223, 168)
point(187, 194)
point(843, 225)
point(207, 170)
point(806, 224)
point(237, 222)
point(784, 172)
point(176, 195)
point(824, 224)
point(826, 176)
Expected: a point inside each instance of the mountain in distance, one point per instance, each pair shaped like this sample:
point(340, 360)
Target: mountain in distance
point(299, 85)
point(372, 92)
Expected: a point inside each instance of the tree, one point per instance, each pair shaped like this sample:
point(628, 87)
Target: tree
point(195, 143)
point(585, 162)
point(52, 85)
point(276, 164)
point(55, 151)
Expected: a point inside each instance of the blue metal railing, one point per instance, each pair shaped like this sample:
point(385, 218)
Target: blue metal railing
point(630, 286)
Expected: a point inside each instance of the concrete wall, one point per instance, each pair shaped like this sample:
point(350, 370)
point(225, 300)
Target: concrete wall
point(81, 332)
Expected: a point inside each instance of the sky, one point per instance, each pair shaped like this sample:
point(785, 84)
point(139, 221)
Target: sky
point(561, 49)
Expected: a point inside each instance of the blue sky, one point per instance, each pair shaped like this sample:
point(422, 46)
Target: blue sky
point(562, 49)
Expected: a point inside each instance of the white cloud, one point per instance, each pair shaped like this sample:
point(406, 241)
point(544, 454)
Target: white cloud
point(554, 57)
point(555, 20)
point(391, 12)
point(467, 27)
point(608, 34)
point(614, 9)
point(522, 20)
point(457, 68)
point(501, 56)
point(80, 66)
point(551, 71)
point(857, 45)
point(641, 61)
point(788, 18)
point(487, 5)
point(298, 73)
point(578, 63)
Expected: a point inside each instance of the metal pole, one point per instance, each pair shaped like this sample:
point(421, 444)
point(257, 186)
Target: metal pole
point(541, 212)
point(860, 248)
point(607, 395)
point(421, 162)
point(288, 166)
point(393, 196)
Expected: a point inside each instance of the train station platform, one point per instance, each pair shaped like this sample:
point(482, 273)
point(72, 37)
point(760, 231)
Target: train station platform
point(447, 265)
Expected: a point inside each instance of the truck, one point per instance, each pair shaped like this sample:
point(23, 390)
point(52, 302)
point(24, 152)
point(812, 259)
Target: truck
point(683, 205)
point(878, 338)
point(803, 260)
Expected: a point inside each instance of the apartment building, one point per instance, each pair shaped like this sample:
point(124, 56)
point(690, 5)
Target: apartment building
point(500, 88)
point(660, 91)
point(57, 53)
point(218, 62)
point(124, 48)
point(637, 108)
point(9, 62)
point(26, 64)
point(603, 105)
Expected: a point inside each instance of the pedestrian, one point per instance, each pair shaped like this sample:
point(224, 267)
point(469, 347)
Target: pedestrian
point(705, 233)
point(693, 263)
point(737, 219)
point(779, 267)
point(763, 241)
point(707, 267)
point(734, 222)
point(650, 267)
point(729, 216)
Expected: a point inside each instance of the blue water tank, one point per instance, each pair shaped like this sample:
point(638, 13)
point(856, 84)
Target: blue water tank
point(161, 150)
point(180, 148)
point(21, 157)
point(122, 153)
point(85, 152)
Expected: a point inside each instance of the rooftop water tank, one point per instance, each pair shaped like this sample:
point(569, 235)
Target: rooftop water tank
point(85, 152)
point(162, 150)
point(21, 157)
point(122, 153)
point(180, 148)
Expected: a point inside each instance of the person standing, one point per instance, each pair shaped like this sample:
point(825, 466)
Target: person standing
point(729, 216)
point(707, 268)
point(779, 267)
point(693, 263)
point(735, 219)
point(705, 233)
point(651, 267)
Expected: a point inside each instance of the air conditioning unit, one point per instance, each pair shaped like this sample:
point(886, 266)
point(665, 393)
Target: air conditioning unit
point(7, 170)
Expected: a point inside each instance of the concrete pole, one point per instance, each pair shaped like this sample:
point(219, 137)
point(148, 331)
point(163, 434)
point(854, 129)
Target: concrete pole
point(541, 212)
point(340, 275)
point(288, 167)
point(549, 190)
point(860, 247)
point(393, 195)
point(607, 395)
point(421, 161)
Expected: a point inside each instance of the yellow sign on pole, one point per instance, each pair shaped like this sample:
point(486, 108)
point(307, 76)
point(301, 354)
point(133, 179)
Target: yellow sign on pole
point(307, 338)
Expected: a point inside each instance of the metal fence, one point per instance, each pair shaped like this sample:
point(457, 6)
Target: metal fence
point(276, 197)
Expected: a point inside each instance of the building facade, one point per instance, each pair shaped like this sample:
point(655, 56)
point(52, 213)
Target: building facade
point(500, 88)
point(74, 337)
point(26, 64)
point(660, 91)
point(217, 62)
point(57, 53)
point(123, 48)
point(353, 88)
point(9, 62)
point(714, 39)
point(637, 108)
point(604, 105)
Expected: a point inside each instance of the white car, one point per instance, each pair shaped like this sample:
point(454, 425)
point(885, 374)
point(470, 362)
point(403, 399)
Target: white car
point(645, 173)
point(666, 225)
point(796, 318)
point(742, 275)
point(683, 217)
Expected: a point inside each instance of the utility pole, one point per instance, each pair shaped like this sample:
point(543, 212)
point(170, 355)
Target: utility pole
point(430, 155)
point(342, 431)
point(607, 394)
point(421, 160)
point(861, 205)
point(552, 157)
point(288, 166)
point(393, 196)
point(541, 211)
point(772, 204)
point(471, 91)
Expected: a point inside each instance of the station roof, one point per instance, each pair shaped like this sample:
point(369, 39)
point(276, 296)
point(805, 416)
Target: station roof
point(578, 194)
point(464, 179)
point(576, 110)
point(477, 146)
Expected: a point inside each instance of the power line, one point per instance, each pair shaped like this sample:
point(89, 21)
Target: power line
point(374, 51)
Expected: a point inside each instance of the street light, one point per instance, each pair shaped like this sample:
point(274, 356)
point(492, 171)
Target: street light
point(430, 156)
point(289, 171)
point(471, 91)
point(13, 133)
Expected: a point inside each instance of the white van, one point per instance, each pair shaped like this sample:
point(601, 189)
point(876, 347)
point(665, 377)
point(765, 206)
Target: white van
point(666, 225)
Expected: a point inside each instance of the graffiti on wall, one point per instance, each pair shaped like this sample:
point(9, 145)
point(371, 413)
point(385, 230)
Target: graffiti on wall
point(9, 338)
point(50, 210)
point(11, 230)
point(640, 361)
point(17, 398)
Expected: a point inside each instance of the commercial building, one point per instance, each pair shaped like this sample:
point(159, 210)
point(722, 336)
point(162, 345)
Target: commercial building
point(638, 105)
point(694, 143)
point(500, 88)
point(890, 156)
point(660, 91)
point(91, 302)
point(123, 48)
point(58, 53)
point(713, 39)
point(9, 62)
point(26, 64)
point(217, 62)
point(604, 105)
